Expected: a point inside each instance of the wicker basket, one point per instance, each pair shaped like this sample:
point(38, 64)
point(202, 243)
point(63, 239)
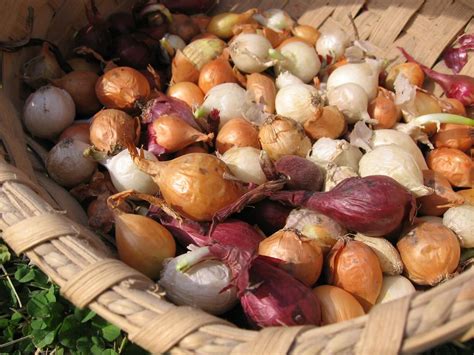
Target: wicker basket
point(34, 221)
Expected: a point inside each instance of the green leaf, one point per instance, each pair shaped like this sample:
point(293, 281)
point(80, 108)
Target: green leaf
point(88, 317)
point(24, 274)
point(69, 332)
point(46, 340)
point(109, 352)
point(50, 295)
point(38, 324)
point(38, 306)
point(4, 323)
point(97, 350)
point(84, 344)
point(5, 255)
point(110, 332)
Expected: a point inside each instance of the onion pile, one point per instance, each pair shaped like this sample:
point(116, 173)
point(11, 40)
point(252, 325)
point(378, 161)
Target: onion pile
point(243, 158)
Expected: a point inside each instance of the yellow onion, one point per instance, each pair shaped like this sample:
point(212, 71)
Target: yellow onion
point(274, 37)
point(328, 122)
point(282, 136)
point(354, 267)
point(454, 136)
point(173, 134)
point(468, 195)
point(202, 51)
point(389, 258)
point(456, 108)
point(426, 103)
point(302, 257)
point(222, 24)
point(442, 197)
point(453, 164)
point(337, 305)
point(308, 33)
point(183, 69)
point(394, 287)
point(142, 243)
point(193, 184)
point(430, 253)
point(81, 86)
point(384, 110)
point(193, 148)
point(217, 71)
point(79, 63)
point(262, 90)
point(112, 130)
point(188, 92)
point(237, 132)
point(121, 87)
point(411, 71)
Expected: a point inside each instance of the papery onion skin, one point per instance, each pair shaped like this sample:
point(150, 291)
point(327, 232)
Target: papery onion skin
point(329, 123)
point(453, 164)
point(331, 44)
point(468, 195)
point(375, 205)
point(337, 305)
point(411, 71)
point(390, 261)
point(454, 136)
point(237, 132)
point(228, 98)
point(302, 257)
point(302, 173)
point(183, 69)
point(113, 130)
point(279, 299)
point(460, 219)
point(222, 24)
point(66, 164)
point(188, 92)
point(351, 100)
point(143, 243)
point(354, 267)
point(384, 110)
point(308, 33)
point(301, 60)
point(280, 136)
point(121, 87)
point(214, 73)
point(362, 74)
point(394, 287)
point(263, 91)
point(249, 52)
point(328, 151)
point(430, 253)
point(297, 101)
point(244, 164)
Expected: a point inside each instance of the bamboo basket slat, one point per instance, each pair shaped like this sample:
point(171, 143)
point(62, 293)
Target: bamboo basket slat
point(136, 304)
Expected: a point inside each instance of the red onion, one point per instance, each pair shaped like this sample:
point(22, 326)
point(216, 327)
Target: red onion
point(459, 87)
point(121, 23)
point(95, 35)
point(188, 6)
point(274, 298)
point(167, 105)
point(302, 173)
point(374, 205)
point(131, 53)
point(456, 58)
point(269, 216)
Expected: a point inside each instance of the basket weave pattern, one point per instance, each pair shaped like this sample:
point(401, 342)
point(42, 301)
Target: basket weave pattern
point(33, 221)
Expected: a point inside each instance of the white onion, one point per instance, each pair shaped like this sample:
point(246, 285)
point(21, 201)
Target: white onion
point(393, 161)
point(394, 287)
point(228, 98)
point(297, 101)
point(286, 78)
point(200, 286)
point(250, 52)
point(66, 164)
point(244, 164)
point(300, 59)
point(175, 41)
point(366, 75)
point(337, 174)
point(332, 43)
point(48, 111)
point(351, 100)
point(276, 19)
point(125, 175)
point(460, 220)
point(336, 151)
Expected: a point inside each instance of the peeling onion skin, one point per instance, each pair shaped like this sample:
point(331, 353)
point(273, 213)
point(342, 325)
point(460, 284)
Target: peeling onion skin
point(430, 253)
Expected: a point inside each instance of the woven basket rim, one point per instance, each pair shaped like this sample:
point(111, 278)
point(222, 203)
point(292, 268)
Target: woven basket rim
point(135, 303)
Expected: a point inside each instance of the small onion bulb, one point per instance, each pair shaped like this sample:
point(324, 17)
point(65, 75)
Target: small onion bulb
point(244, 164)
point(366, 75)
point(228, 98)
point(250, 51)
point(351, 100)
point(285, 78)
point(460, 219)
point(300, 59)
point(48, 111)
point(394, 287)
point(297, 101)
point(332, 43)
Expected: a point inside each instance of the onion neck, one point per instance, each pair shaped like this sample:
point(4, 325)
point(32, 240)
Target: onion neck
point(188, 260)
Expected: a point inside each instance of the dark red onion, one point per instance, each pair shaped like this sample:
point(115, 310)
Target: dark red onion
point(459, 87)
point(96, 34)
point(131, 52)
point(167, 105)
point(456, 58)
point(374, 205)
point(302, 173)
point(121, 23)
point(188, 6)
point(269, 216)
point(275, 298)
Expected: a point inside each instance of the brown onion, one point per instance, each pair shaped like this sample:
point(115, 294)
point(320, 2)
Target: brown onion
point(468, 196)
point(454, 136)
point(337, 305)
point(274, 37)
point(81, 86)
point(453, 164)
point(302, 256)
point(188, 92)
point(214, 73)
point(193, 148)
point(173, 133)
point(412, 72)
point(79, 131)
point(308, 33)
point(237, 132)
point(183, 69)
point(183, 26)
point(83, 64)
point(457, 107)
point(112, 130)
point(282, 136)
point(441, 199)
point(426, 103)
point(430, 253)
point(121, 87)
point(262, 90)
point(354, 267)
point(327, 122)
point(384, 110)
